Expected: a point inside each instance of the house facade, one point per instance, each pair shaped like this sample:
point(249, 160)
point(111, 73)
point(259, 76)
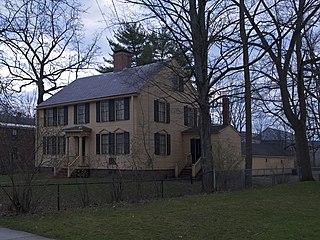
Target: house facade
point(130, 119)
point(17, 143)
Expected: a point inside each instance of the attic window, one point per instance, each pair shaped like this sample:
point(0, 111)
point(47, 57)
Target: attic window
point(178, 84)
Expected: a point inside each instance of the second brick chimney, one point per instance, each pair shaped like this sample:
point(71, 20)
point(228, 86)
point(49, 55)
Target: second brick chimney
point(226, 110)
point(121, 60)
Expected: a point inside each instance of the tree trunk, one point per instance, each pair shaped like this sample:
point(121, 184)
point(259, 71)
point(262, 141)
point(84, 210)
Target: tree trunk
point(199, 32)
point(205, 137)
point(302, 153)
point(40, 91)
point(244, 38)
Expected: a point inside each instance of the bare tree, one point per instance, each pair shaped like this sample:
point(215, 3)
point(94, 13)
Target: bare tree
point(197, 25)
point(281, 36)
point(42, 42)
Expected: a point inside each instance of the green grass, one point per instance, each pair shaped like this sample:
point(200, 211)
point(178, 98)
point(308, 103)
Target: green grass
point(288, 211)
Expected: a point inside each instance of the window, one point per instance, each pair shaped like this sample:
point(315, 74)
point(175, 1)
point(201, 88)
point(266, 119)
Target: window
point(50, 120)
point(190, 117)
point(161, 111)
point(56, 116)
point(112, 110)
point(104, 111)
point(61, 145)
point(119, 108)
point(178, 84)
point(104, 143)
point(162, 144)
point(14, 133)
point(61, 116)
point(119, 143)
point(54, 145)
point(81, 113)
point(113, 143)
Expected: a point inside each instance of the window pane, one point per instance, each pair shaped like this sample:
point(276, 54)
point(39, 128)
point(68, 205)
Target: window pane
point(62, 145)
point(119, 104)
point(119, 143)
point(60, 116)
point(81, 113)
point(104, 143)
point(50, 117)
point(162, 112)
point(162, 144)
point(104, 108)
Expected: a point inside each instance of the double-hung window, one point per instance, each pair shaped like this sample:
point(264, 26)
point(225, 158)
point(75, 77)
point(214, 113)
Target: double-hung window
point(105, 144)
point(190, 117)
point(161, 111)
point(162, 144)
point(119, 109)
point(81, 113)
point(104, 107)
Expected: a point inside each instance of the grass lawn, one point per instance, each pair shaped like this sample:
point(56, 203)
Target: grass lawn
point(288, 211)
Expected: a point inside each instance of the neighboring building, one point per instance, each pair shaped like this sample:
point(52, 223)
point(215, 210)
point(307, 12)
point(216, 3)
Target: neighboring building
point(270, 158)
point(132, 119)
point(17, 143)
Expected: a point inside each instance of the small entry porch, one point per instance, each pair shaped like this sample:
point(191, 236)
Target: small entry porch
point(77, 150)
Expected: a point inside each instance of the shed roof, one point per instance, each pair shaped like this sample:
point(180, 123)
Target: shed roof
point(266, 149)
point(127, 81)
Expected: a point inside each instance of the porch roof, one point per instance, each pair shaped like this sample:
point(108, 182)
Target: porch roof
point(77, 130)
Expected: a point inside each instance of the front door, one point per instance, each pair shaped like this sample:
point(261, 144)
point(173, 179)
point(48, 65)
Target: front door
point(195, 149)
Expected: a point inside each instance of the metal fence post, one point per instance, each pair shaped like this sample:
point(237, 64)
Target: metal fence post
point(162, 195)
point(58, 197)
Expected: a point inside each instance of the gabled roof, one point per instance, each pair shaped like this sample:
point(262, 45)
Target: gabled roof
point(271, 134)
point(214, 129)
point(127, 81)
point(266, 149)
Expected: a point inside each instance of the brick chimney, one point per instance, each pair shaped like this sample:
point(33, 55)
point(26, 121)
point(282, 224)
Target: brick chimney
point(226, 110)
point(121, 60)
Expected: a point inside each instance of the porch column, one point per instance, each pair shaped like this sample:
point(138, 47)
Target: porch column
point(80, 150)
point(67, 148)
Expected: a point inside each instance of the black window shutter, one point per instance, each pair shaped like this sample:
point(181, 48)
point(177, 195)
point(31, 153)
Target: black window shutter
point(111, 110)
point(97, 111)
point(87, 112)
point(45, 117)
point(97, 143)
point(126, 143)
point(75, 114)
point(168, 144)
point(156, 110)
point(185, 114)
point(54, 116)
point(156, 144)
point(168, 112)
point(65, 115)
point(126, 109)
point(111, 143)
